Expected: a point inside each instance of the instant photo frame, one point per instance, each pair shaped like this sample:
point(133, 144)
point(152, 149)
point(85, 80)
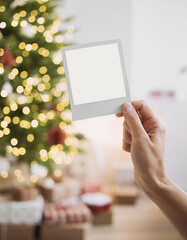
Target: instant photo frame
point(96, 78)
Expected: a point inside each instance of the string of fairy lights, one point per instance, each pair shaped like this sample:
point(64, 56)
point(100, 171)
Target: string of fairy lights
point(26, 95)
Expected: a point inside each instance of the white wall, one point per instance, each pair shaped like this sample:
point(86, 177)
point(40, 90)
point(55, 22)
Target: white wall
point(97, 20)
point(159, 38)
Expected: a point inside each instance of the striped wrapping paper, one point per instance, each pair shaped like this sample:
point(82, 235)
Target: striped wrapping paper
point(61, 214)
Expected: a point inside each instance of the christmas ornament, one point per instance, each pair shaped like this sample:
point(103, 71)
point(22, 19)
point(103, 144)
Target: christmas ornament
point(56, 136)
point(7, 59)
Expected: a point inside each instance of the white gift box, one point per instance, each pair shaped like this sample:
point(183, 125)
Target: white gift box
point(26, 212)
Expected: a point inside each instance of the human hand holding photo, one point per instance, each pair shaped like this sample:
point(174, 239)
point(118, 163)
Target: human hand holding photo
point(144, 137)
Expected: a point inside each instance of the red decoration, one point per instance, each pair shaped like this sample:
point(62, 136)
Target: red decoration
point(56, 136)
point(7, 59)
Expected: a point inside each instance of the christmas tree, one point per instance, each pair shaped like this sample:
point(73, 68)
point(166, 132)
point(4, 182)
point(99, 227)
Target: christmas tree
point(35, 117)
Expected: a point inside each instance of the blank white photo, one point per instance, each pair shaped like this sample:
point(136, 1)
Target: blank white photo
point(96, 73)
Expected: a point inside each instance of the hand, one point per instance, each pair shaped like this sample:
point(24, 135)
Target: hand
point(144, 138)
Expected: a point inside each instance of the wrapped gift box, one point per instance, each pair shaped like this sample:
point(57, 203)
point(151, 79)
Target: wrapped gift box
point(102, 218)
point(54, 192)
point(91, 187)
point(27, 212)
point(17, 232)
point(64, 232)
point(97, 202)
point(25, 193)
point(124, 195)
point(55, 214)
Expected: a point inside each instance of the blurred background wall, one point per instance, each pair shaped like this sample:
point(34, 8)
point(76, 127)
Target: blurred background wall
point(154, 36)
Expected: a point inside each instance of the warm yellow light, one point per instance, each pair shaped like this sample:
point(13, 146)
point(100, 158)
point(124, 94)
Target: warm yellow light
point(46, 78)
point(51, 114)
point(34, 123)
point(45, 53)
point(60, 70)
point(19, 59)
point(24, 74)
point(41, 50)
point(41, 87)
point(34, 12)
point(42, 8)
point(4, 174)
point(15, 71)
point(4, 93)
point(43, 70)
point(41, 20)
point(43, 153)
point(62, 125)
point(2, 24)
point(60, 107)
point(22, 45)
point(23, 23)
point(1, 133)
point(25, 124)
point(14, 23)
point(57, 93)
point(31, 19)
point(6, 110)
point(58, 173)
point(18, 172)
point(16, 120)
point(47, 85)
point(8, 149)
point(34, 46)
point(14, 141)
point(25, 53)
point(26, 110)
point(19, 89)
point(7, 119)
point(45, 97)
point(41, 29)
point(28, 47)
point(13, 106)
point(23, 13)
point(30, 137)
point(1, 70)
point(34, 178)
point(4, 124)
point(22, 151)
point(2, 8)
point(49, 39)
point(16, 16)
point(11, 76)
point(15, 151)
point(30, 80)
point(1, 52)
point(6, 131)
point(42, 117)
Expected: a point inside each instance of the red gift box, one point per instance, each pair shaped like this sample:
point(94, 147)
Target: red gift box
point(97, 202)
point(61, 214)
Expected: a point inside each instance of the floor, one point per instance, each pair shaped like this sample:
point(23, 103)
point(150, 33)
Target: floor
point(143, 221)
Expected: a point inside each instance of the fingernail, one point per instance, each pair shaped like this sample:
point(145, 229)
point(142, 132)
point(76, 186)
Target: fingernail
point(127, 107)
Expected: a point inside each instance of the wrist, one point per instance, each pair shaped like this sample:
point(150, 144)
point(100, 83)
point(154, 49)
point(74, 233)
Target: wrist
point(159, 184)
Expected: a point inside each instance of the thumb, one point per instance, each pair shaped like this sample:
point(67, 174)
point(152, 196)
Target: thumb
point(133, 121)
